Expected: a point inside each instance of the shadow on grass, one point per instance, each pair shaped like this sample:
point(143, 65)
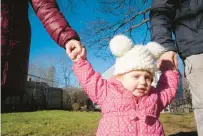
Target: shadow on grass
point(192, 133)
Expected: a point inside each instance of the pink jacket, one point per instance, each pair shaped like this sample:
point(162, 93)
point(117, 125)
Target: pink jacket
point(122, 113)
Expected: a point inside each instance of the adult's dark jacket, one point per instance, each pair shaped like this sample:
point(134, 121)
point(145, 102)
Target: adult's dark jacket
point(182, 17)
point(16, 35)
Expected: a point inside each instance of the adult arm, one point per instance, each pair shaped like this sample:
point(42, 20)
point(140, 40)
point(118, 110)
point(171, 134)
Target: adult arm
point(54, 22)
point(162, 15)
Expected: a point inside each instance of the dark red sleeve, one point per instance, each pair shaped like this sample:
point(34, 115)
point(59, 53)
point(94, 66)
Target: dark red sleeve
point(54, 22)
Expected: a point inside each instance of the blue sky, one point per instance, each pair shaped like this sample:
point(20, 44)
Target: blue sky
point(42, 46)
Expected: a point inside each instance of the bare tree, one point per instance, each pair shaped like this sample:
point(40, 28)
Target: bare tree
point(70, 5)
point(64, 71)
point(122, 17)
point(43, 71)
point(51, 75)
point(53, 71)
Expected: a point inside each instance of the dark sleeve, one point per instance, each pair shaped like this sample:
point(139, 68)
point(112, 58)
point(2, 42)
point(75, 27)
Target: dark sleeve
point(162, 15)
point(54, 22)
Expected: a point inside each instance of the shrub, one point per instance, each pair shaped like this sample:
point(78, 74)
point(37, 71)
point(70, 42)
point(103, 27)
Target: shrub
point(72, 96)
point(76, 106)
point(67, 105)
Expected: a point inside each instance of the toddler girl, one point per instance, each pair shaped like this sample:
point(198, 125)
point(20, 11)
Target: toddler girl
point(130, 106)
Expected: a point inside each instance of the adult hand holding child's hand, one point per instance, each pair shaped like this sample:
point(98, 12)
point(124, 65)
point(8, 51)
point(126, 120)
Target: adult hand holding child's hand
point(168, 61)
point(75, 50)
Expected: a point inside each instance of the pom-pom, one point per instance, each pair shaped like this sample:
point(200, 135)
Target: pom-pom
point(156, 49)
point(120, 44)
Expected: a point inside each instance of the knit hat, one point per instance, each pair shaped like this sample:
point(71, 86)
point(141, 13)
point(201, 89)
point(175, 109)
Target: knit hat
point(136, 57)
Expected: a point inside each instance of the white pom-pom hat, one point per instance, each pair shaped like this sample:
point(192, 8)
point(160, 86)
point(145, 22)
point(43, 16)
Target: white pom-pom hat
point(134, 57)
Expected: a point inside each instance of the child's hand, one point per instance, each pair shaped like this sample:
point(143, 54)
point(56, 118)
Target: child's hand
point(165, 65)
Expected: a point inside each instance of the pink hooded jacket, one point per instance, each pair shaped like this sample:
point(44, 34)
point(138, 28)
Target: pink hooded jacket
point(122, 113)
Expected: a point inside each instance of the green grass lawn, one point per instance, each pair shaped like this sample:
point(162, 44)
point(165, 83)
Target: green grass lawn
point(66, 123)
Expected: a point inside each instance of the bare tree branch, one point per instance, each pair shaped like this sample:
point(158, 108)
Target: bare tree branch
point(46, 71)
point(65, 5)
point(70, 5)
point(64, 71)
point(138, 25)
point(122, 17)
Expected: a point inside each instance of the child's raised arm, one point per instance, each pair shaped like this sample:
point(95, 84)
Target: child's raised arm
point(167, 85)
point(90, 81)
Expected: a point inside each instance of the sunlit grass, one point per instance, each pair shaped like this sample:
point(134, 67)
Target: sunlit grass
point(66, 123)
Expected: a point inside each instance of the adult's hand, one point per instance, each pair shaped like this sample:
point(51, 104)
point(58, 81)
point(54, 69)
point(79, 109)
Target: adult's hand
point(73, 48)
point(82, 55)
point(170, 56)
